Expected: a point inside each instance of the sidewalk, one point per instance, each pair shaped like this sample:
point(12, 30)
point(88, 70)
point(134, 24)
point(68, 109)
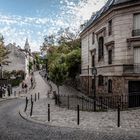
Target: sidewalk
point(18, 91)
point(68, 118)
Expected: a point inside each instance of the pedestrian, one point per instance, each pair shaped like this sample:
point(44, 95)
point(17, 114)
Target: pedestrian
point(25, 87)
point(31, 82)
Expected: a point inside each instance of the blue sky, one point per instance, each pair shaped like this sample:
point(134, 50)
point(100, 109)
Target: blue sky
point(32, 19)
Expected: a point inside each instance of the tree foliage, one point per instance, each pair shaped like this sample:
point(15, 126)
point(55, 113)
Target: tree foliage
point(3, 52)
point(30, 66)
point(64, 57)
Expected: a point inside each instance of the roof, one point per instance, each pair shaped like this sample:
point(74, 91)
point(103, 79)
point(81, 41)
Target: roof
point(109, 4)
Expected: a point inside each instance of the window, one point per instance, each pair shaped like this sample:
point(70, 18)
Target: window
point(136, 30)
point(93, 60)
point(101, 80)
point(93, 38)
point(109, 86)
point(110, 27)
point(101, 48)
point(110, 57)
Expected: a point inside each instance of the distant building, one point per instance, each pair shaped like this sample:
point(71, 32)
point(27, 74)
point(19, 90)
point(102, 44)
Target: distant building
point(111, 43)
point(19, 58)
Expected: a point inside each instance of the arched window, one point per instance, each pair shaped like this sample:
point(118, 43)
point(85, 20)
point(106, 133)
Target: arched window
point(101, 48)
point(100, 80)
point(109, 86)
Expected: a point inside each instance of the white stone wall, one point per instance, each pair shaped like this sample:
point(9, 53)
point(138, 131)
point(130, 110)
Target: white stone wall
point(122, 25)
point(16, 58)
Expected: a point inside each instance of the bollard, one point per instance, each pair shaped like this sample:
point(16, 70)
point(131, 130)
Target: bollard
point(32, 103)
point(118, 115)
point(35, 97)
point(78, 115)
point(68, 102)
point(38, 95)
point(31, 98)
point(48, 112)
point(26, 105)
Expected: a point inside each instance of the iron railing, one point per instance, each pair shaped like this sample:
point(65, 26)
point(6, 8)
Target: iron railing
point(102, 102)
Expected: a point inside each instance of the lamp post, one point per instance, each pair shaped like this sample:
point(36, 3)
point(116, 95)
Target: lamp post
point(94, 72)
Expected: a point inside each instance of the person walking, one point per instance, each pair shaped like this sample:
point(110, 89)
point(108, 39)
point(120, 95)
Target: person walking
point(31, 82)
point(25, 88)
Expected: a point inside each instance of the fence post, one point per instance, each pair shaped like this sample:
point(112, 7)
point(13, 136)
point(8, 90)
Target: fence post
point(35, 97)
point(101, 103)
point(82, 103)
point(48, 112)
point(31, 108)
point(118, 116)
point(38, 95)
point(26, 105)
point(55, 97)
point(68, 102)
point(78, 115)
point(58, 100)
point(31, 98)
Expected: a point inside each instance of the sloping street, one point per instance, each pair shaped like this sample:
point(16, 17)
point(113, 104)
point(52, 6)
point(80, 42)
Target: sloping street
point(14, 127)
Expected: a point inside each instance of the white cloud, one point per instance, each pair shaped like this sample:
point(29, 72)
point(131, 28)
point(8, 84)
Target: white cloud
point(17, 28)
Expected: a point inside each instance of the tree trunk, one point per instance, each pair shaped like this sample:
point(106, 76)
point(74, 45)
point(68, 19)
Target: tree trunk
point(58, 89)
point(58, 98)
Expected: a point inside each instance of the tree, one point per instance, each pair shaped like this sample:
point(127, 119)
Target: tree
point(30, 66)
point(49, 42)
point(63, 59)
point(37, 61)
point(3, 52)
point(73, 60)
point(58, 73)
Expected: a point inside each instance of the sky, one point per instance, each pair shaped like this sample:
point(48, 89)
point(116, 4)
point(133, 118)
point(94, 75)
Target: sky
point(33, 19)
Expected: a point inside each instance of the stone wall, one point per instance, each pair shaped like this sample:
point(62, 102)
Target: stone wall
point(117, 86)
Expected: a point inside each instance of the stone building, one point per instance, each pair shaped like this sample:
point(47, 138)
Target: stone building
point(111, 43)
point(19, 58)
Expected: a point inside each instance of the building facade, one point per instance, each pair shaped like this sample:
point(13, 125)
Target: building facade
point(19, 58)
point(111, 43)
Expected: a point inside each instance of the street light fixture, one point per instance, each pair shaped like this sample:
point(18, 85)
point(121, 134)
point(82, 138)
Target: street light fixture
point(94, 72)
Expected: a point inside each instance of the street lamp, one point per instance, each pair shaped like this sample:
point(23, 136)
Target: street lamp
point(94, 72)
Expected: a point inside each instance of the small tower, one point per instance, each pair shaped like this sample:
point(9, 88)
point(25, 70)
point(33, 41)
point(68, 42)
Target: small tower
point(27, 46)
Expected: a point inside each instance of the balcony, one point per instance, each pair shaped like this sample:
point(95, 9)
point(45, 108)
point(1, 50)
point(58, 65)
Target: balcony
point(136, 32)
point(131, 69)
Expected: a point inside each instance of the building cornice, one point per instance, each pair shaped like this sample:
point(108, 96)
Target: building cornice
point(111, 43)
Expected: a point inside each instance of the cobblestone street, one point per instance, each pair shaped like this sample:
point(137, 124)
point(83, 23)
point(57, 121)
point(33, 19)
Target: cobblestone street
point(88, 120)
point(14, 127)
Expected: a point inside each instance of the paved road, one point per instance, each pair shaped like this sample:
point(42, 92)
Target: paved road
point(13, 127)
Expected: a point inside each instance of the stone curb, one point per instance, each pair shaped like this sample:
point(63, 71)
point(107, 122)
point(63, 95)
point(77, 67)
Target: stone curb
point(25, 117)
point(103, 129)
point(29, 119)
point(7, 99)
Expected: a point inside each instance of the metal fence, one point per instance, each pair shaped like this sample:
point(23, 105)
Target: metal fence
point(102, 102)
point(85, 103)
